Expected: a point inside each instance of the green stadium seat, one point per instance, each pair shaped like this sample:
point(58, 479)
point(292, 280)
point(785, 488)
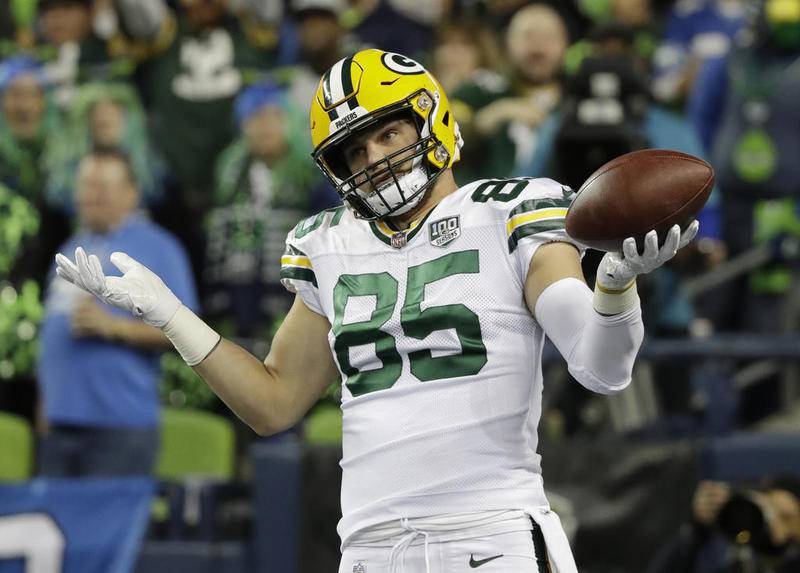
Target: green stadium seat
point(324, 426)
point(16, 454)
point(195, 444)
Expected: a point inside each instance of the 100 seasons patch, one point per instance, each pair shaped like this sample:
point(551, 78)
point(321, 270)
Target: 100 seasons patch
point(444, 231)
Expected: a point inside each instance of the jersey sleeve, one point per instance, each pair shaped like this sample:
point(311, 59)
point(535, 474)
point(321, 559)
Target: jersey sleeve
point(537, 217)
point(297, 274)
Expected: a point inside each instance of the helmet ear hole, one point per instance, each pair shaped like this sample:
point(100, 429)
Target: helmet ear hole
point(441, 154)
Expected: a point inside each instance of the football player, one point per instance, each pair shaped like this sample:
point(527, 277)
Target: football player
point(431, 302)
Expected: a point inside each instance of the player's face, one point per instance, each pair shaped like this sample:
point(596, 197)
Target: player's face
point(377, 143)
point(105, 195)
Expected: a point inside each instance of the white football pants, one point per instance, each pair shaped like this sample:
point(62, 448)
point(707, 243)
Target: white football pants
point(538, 549)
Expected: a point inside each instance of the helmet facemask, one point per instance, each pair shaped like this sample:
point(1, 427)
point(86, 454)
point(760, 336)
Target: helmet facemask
point(394, 184)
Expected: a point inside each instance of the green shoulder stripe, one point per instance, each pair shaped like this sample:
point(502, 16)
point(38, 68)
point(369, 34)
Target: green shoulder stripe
point(300, 274)
point(535, 204)
point(532, 229)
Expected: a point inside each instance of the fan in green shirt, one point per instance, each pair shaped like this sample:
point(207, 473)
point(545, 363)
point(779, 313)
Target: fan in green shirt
point(265, 181)
point(202, 58)
point(28, 126)
point(499, 115)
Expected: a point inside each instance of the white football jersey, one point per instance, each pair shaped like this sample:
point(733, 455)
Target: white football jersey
point(439, 355)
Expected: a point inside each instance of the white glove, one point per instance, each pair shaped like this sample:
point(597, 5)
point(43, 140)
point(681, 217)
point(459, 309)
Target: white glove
point(617, 271)
point(139, 290)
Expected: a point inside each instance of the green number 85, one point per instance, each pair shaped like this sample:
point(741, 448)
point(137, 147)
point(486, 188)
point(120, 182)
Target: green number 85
point(416, 323)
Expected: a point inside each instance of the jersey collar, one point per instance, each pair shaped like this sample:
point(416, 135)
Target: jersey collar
point(397, 239)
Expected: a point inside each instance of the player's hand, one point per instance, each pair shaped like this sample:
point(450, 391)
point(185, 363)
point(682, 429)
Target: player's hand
point(617, 269)
point(139, 290)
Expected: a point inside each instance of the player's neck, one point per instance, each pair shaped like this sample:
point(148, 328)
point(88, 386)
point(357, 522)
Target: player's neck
point(444, 185)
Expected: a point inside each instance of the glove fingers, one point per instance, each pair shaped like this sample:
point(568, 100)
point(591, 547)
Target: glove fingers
point(629, 248)
point(650, 245)
point(689, 234)
point(67, 270)
point(123, 262)
point(83, 268)
point(671, 244)
point(66, 276)
point(97, 269)
point(98, 277)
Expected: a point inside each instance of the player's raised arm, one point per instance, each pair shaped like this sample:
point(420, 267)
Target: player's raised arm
point(598, 334)
point(274, 395)
point(269, 396)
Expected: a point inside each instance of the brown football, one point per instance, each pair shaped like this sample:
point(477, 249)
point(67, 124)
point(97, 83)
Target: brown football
point(637, 192)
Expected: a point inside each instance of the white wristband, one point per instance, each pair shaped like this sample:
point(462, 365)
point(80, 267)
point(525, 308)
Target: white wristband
point(191, 337)
point(608, 302)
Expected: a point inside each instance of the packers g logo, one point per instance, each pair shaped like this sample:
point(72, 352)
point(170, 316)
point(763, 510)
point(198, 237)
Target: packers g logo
point(400, 64)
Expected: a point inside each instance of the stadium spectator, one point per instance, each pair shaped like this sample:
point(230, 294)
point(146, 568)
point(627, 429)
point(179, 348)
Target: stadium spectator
point(500, 116)
point(105, 116)
point(28, 125)
point(695, 31)
point(322, 41)
point(745, 109)
point(265, 182)
point(463, 50)
point(200, 57)
point(98, 369)
point(27, 119)
point(17, 20)
point(737, 529)
point(194, 60)
point(607, 111)
point(638, 20)
point(497, 14)
point(75, 45)
point(403, 26)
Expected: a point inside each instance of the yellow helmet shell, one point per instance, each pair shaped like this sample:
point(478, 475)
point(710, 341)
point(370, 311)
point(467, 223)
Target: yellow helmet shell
point(363, 87)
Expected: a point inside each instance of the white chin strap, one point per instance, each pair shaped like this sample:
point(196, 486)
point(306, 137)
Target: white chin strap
point(393, 194)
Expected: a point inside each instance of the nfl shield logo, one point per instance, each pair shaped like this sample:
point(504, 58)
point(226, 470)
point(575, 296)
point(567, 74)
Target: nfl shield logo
point(359, 567)
point(444, 231)
point(399, 240)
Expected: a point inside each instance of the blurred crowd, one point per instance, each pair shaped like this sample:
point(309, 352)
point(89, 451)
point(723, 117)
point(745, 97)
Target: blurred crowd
point(202, 105)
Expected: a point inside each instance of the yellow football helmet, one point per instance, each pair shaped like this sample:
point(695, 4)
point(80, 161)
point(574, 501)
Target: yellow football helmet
point(357, 93)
